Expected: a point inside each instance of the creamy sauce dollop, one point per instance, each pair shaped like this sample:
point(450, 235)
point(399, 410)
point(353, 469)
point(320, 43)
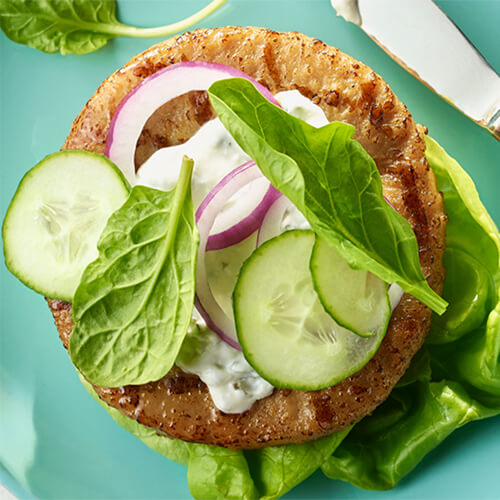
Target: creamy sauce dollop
point(348, 9)
point(233, 384)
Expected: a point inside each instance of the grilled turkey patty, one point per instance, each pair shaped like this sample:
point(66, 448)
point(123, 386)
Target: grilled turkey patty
point(179, 404)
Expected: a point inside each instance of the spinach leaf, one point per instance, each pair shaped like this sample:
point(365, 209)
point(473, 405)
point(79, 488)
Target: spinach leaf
point(77, 26)
point(133, 305)
point(331, 179)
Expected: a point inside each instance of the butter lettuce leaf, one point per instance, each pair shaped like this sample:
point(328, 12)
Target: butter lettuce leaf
point(219, 473)
point(386, 446)
point(173, 449)
point(133, 305)
point(331, 179)
point(213, 472)
point(278, 469)
point(460, 381)
point(473, 356)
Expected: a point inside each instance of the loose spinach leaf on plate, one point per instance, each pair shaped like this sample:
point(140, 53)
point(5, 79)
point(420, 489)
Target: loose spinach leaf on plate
point(77, 26)
point(331, 179)
point(133, 305)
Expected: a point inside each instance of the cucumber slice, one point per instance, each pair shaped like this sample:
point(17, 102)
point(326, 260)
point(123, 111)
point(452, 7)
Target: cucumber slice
point(358, 300)
point(283, 329)
point(55, 218)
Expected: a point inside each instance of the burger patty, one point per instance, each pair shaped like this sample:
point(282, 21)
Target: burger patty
point(179, 404)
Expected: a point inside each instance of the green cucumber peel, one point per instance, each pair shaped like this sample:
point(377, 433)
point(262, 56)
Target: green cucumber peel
point(133, 305)
point(55, 217)
point(356, 299)
point(278, 316)
point(332, 180)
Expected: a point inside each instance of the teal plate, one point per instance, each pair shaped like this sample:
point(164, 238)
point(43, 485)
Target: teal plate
point(55, 441)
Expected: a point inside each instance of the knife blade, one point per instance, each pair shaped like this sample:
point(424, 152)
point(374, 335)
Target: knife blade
point(425, 41)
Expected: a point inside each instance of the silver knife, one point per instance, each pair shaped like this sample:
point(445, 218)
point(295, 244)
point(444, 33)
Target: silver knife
point(425, 41)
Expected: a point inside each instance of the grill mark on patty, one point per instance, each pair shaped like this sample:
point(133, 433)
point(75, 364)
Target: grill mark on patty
point(420, 223)
point(269, 60)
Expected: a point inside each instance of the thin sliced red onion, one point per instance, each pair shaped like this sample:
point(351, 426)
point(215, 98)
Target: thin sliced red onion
point(387, 200)
point(245, 227)
point(271, 225)
point(395, 295)
point(142, 101)
point(395, 291)
point(215, 318)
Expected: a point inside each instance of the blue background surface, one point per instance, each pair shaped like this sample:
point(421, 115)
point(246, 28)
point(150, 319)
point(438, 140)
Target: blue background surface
point(55, 441)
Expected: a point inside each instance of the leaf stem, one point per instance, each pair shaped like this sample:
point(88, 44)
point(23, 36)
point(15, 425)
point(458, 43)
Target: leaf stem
point(168, 29)
point(182, 188)
point(184, 181)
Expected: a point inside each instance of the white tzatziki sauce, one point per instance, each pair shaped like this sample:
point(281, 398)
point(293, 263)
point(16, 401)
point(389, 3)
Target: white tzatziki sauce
point(233, 384)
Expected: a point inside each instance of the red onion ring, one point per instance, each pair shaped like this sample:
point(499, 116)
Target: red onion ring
point(215, 318)
point(142, 101)
point(395, 291)
point(271, 225)
point(247, 226)
point(389, 203)
point(395, 295)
